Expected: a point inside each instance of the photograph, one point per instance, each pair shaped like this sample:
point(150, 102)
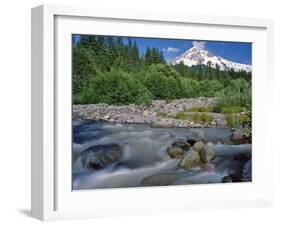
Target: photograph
point(149, 111)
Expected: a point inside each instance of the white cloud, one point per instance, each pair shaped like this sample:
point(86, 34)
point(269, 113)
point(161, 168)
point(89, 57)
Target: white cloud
point(171, 49)
point(198, 44)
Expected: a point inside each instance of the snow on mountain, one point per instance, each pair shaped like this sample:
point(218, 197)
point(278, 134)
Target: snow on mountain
point(197, 56)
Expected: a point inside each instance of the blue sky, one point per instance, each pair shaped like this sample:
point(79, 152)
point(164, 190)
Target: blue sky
point(235, 51)
point(239, 52)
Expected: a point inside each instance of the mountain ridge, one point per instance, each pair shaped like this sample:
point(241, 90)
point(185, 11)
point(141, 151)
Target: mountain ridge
point(197, 56)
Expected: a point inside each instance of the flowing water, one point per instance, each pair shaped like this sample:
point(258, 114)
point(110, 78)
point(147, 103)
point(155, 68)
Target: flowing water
point(144, 154)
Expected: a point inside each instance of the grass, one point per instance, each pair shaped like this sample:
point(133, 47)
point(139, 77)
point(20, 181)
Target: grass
point(197, 117)
point(233, 119)
point(200, 109)
point(231, 109)
point(217, 109)
point(181, 115)
point(207, 119)
point(237, 120)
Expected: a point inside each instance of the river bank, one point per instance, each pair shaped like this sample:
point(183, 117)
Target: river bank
point(160, 113)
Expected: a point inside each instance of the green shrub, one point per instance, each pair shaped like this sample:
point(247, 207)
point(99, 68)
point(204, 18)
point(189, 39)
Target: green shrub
point(202, 118)
point(83, 69)
point(181, 115)
point(190, 88)
point(237, 120)
point(232, 109)
point(237, 94)
point(162, 81)
point(77, 99)
point(216, 109)
point(209, 88)
point(194, 88)
point(115, 87)
point(164, 69)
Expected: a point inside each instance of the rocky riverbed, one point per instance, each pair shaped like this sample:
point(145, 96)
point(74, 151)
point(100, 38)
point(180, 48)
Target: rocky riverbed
point(160, 113)
point(114, 155)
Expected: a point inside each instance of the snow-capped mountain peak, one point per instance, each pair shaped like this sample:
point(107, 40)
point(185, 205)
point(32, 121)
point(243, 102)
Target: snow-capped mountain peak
point(197, 56)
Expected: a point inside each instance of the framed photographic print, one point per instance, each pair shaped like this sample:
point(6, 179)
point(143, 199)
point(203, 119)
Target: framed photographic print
point(136, 112)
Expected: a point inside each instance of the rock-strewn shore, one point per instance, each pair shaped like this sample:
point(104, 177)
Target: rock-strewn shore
point(160, 113)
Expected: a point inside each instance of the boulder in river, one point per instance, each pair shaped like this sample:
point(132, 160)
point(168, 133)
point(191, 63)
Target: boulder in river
point(247, 172)
point(208, 153)
point(191, 159)
point(162, 124)
point(160, 179)
point(181, 143)
point(198, 146)
point(175, 152)
point(240, 136)
point(195, 136)
point(99, 156)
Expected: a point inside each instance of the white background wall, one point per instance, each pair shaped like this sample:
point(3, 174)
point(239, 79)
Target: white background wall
point(15, 112)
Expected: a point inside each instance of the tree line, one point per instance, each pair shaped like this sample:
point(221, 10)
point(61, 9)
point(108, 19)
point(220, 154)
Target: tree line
point(107, 70)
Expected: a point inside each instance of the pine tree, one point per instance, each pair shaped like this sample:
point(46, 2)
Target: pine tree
point(162, 58)
point(111, 49)
point(135, 51)
point(119, 61)
point(82, 69)
point(101, 55)
point(148, 57)
point(155, 56)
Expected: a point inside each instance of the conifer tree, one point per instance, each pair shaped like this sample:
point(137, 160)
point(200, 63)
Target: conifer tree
point(148, 57)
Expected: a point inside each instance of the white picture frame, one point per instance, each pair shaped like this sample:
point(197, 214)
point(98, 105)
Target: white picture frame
point(52, 197)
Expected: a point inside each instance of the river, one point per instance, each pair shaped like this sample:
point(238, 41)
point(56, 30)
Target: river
point(144, 155)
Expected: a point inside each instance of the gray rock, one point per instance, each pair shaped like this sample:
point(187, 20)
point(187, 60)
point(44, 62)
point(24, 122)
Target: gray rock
point(239, 136)
point(191, 159)
point(220, 121)
point(208, 152)
point(99, 156)
point(219, 141)
point(162, 124)
point(247, 172)
point(195, 136)
point(198, 146)
point(181, 143)
point(175, 152)
point(160, 179)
